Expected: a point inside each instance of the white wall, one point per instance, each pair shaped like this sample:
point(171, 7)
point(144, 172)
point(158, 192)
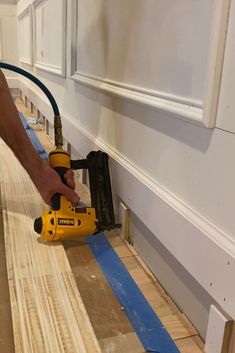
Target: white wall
point(8, 35)
point(138, 91)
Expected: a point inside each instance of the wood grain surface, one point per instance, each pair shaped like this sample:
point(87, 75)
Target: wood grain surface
point(6, 330)
point(47, 310)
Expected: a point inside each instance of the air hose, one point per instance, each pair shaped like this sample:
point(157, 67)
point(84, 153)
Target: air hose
point(57, 119)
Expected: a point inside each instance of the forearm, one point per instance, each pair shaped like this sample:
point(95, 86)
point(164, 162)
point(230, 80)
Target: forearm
point(13, 132)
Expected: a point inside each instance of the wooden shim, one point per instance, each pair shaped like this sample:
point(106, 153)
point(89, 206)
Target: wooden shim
point(47, 310)
point(125, 214)
point(232, 340)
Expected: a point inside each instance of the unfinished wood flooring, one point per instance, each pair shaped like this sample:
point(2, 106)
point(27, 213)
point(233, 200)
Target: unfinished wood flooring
point(47, 310)
point(6, 330)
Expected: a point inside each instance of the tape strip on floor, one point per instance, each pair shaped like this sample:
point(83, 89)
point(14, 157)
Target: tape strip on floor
point(146, 323)
point(33, 137)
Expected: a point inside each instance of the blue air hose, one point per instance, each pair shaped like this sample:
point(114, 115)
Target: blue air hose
point(36, 81)
point(57, 119)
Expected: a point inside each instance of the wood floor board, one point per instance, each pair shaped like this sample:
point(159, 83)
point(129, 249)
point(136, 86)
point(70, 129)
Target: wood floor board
point(176, 326)
point(109, 321)
point(47, 310)
point(119, 245)
point(128, 343)
point(232, 341)
point(6, 329)
point(190, 345)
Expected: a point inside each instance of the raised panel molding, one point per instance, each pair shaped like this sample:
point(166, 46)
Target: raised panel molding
point(215, 61)
point(208, 253)
point(199, 112)
point(26, 58)
point(59, 70)
point(177, 106)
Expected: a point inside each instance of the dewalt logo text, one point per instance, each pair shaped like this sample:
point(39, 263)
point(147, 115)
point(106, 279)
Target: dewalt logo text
point(65, 221)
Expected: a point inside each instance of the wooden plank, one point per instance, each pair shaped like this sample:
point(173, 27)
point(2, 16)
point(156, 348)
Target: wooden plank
point(6, 329)
point(122, 344)
point(125, 214)
point(118, 244)
point(110, 323)
point(232, 341)
point(177, 326)
point(190, 345)
point(47, 309)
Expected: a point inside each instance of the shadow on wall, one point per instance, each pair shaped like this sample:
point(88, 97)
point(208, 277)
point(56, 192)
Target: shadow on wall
point(104, 117)
point(196, 137)
point(51, 77)
point(101, 117)
point(177, 282)
point(107, 117)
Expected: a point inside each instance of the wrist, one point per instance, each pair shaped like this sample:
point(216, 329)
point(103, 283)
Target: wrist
point(34, 165)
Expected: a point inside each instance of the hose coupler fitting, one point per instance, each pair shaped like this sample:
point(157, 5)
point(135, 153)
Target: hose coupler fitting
point(58, 131)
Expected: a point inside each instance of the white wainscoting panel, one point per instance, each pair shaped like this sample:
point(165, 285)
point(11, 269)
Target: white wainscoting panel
point(50, 35)
point(25, 29)
point(142, 52)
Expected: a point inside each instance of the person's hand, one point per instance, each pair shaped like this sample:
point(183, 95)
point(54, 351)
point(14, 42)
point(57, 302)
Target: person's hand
point(69, 178)
point(48, 183)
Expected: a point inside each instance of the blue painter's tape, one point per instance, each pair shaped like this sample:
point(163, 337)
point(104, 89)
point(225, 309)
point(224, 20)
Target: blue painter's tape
point(24, 121)
point(37, 144)
point(147, 325)
point(33, 137)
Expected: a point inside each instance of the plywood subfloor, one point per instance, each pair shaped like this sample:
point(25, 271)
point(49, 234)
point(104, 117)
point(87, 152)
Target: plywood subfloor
point(112, 328)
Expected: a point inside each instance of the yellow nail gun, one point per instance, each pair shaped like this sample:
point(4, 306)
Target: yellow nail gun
point(64, 220)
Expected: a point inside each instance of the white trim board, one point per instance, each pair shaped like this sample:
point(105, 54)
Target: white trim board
point(205, 251)
point(218, 332)
point(202, 113)
point(56, 70)
point(26, 12)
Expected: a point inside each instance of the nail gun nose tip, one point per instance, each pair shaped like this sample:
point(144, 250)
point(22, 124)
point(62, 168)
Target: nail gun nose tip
point(38, 225)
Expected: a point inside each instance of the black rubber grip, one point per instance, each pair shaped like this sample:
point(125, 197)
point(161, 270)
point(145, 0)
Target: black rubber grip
point(55, 201)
